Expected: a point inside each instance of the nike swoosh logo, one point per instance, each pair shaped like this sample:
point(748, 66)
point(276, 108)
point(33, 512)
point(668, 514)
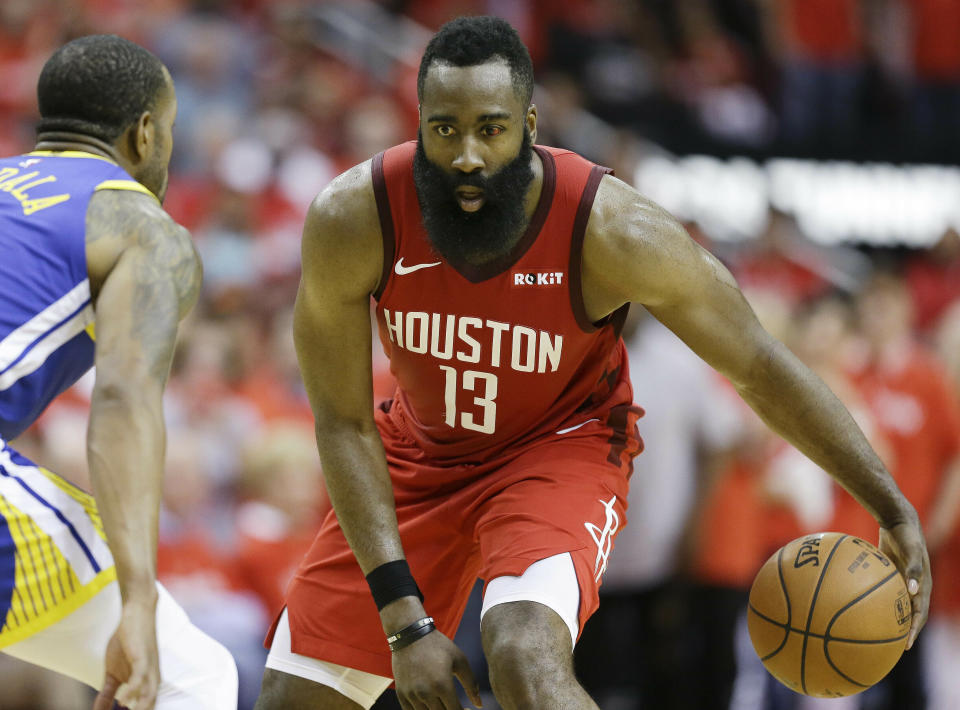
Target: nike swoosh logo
point(574, 428)
point(403, 270)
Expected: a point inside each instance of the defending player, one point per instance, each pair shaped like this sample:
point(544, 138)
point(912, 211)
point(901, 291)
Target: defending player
point(92, 270)
point(501, 271)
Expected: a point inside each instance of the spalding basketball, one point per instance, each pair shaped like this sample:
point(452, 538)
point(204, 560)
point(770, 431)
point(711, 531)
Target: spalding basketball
point(829, 615)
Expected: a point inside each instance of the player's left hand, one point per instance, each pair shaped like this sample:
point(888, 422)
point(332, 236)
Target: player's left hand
point(904, 544)
point(132, 664)
point(424, 673)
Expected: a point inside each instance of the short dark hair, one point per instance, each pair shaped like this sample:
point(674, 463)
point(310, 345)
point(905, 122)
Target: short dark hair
point(97, 85)
point(468, 41)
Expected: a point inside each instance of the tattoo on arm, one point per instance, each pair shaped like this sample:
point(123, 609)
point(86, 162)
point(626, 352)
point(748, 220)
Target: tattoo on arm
point(165, 268)
point(118, 220)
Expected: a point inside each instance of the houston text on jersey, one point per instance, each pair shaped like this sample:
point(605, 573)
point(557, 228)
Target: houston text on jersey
point(474, 340)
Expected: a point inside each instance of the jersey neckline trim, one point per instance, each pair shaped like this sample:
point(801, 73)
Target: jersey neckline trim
point(131, 185)
point(70, 154)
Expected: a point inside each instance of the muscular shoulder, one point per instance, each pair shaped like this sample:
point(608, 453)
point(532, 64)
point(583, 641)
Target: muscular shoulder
point(120, 222)
point(341, 234)
point(634, 250)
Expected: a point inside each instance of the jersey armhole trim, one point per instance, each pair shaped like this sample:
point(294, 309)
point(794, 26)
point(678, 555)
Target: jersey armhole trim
point(587, 197)
point(386, 222)
point(131, 185)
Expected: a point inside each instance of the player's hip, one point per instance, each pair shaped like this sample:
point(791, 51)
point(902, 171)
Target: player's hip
point(53, 553)
point(608, 431)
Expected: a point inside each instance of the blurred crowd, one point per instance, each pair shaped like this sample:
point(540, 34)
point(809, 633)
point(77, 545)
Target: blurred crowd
point(716, 493)
point(278, 96)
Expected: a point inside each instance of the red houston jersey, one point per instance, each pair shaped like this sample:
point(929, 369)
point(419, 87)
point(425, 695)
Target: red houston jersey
point(495, 356)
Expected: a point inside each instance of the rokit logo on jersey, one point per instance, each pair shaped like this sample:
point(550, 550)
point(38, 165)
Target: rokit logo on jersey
point(527, 279)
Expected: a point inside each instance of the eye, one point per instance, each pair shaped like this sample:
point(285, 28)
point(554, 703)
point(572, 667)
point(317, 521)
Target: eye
point(444, 130)
point(492, 130)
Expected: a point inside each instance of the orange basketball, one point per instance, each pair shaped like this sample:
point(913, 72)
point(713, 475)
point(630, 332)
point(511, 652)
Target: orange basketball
point(829, 615)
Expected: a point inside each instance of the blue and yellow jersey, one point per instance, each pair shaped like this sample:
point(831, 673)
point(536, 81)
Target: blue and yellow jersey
point(46, 318)
point(53, 552)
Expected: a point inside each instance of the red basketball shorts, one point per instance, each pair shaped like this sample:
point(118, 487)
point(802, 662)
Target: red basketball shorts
point(564, 492)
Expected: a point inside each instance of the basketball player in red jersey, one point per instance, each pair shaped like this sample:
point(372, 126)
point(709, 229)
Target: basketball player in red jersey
point(501, 272)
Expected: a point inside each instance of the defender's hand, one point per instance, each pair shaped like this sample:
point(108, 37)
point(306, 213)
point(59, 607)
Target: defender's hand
point(424, 673)
point(904, 544)
point(132, 661)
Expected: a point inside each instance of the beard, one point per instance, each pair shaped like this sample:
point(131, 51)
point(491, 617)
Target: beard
point(491, 231)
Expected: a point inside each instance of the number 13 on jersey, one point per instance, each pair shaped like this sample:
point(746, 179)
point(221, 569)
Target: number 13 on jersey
point(484, 385)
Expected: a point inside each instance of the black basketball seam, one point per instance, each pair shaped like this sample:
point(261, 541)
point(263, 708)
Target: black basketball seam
point(813, 604)
point(826, 635)
point(838, 639)
point(786, 628)
point(814, 635)
point(783, 588)
point(862, 642)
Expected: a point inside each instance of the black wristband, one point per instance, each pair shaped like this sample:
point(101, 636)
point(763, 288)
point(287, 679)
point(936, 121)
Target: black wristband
point(408, 634)
point(390, 581)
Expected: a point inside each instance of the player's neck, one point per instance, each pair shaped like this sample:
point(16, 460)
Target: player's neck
point(63, 141)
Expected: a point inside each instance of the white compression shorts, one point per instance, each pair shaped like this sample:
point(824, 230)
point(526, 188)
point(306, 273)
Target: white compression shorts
point(197, 673)
point(551, 582)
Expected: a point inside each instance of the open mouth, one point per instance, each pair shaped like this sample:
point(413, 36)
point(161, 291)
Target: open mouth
point(470, 199)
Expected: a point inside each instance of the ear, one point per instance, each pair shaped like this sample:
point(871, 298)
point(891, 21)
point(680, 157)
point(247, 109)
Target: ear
point(532, 122)
point(141, 137)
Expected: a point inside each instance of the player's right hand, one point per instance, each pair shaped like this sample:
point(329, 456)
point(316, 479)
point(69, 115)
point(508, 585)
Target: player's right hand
point(132, 664)
point(904, 544)
point(424, 673)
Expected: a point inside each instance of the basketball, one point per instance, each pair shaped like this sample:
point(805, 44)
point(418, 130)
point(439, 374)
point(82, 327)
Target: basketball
point(829, 615)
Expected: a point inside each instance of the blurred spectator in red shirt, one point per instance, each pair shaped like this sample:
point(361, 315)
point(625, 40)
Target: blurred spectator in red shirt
point(201, 399)
point(943, 630)
point(737, 525)
point(198, 568)
point(716, 79)
point(933, 276)
point(273, 383)
point(909, 393)
point(934, 29)
point(780, 261)
point(917, 412)
point(819, 43)
point(285, 502)
point(822, 336)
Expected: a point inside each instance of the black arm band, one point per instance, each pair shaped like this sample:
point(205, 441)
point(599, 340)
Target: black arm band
point(390, 581)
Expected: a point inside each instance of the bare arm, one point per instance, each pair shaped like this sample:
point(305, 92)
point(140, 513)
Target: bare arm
point(145, 275)
point(341, 266)
point(696, 297)
point(342, 262)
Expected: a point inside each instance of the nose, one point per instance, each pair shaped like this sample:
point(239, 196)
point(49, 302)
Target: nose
point(470, 159)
